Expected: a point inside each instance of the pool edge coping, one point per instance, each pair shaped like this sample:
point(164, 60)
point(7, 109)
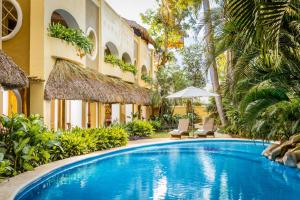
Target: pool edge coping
point(13, 186)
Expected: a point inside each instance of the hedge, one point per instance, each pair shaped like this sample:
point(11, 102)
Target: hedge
point(139, 128)
point(25, 143)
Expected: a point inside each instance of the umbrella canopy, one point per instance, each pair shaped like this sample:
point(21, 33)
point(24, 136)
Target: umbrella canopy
point(191, 92)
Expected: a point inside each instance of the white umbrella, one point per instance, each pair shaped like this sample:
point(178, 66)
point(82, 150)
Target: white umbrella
point(191, 93)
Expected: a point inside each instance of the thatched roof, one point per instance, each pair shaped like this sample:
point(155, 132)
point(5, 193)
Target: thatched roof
point(72, 82)
point(140, 31)
point(11, 76)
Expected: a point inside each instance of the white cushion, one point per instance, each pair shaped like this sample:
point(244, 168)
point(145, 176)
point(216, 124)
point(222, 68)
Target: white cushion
point(175, 132)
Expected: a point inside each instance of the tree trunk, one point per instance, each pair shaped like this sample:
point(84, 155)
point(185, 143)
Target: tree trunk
point(209, 36)
point(229, 70)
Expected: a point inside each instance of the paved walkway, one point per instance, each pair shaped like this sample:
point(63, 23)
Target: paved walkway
point(145, 141)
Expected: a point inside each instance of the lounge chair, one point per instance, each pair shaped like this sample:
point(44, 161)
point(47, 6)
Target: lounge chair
point(183, 127)
point(207, 130)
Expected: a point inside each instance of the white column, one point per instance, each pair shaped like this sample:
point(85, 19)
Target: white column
point(68, 113)
point(144, 112)
point(55, 114)
point(129, 112)
point(4, 102)
point(97, 115)
point(115, 113)
point(76, 113)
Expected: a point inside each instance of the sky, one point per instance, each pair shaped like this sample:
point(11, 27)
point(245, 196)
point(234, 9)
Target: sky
point(131, 9)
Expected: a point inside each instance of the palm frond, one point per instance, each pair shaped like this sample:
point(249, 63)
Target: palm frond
point(259, 95)
point(258, 21)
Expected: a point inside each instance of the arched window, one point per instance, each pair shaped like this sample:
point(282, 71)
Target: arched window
point(111, 49)
point(11, 19)
point(126, 58)
point(91, 34)
point(144, 70)
point(63, 17)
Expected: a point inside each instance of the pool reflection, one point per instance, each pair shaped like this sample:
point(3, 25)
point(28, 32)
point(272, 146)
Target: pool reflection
point(208, 170)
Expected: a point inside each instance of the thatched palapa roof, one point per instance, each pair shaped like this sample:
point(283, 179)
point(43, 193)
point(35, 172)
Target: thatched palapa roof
point(140, 31)
point(11, 75)
point(70, 81)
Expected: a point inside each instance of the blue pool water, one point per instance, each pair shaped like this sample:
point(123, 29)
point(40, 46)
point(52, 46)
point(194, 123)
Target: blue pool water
point(186, 170)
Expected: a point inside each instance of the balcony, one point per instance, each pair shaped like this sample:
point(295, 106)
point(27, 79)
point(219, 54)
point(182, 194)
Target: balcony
point(144, 84)
point(60, 49)
point(115, 71)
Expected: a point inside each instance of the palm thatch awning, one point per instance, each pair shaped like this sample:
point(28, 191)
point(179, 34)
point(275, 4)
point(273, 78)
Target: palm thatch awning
point(140, 31)
point(70, 81)
point(11, 75)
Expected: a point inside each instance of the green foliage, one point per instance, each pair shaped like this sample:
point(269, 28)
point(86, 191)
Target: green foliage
point(73, 36)
point(139, 128)
point(193, 63)
point(112, 59)
point(263, 25)
point(170, 78)
point(156, 124)
point(110, 137)
point(25, 143)
point(5, 168)
point(82, 141)
point(123, 66)
point(146, 78)
point(77, 142)
point(166, 121)
point(262, 81)
point(168, 25)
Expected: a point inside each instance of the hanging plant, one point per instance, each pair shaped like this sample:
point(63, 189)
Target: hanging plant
point(146, 78)
point(123, 66)
point(72, 36)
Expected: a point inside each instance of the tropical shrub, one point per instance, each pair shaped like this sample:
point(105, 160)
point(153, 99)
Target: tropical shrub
point(77, 142)
point(5, 168)
point(170, 121)
point(110, 137)
point(139, 128)
point(75, 37)
point(25, 144)
point(156, 124)
point(262, 80)
point(82, 141)
point(123, 66)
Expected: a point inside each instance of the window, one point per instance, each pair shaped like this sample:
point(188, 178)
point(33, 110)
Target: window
point(111, 49)
point(11, 19)
point(64, 18)
point(126, 58)
point(144, 70)
point(91, 34)
point(56, 18)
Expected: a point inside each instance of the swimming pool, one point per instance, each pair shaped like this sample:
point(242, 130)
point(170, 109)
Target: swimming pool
point(181, 170)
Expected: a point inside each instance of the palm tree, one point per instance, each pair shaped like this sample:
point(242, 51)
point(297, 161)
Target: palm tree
point(211, 58)
point(264, 37)
point(260, 21)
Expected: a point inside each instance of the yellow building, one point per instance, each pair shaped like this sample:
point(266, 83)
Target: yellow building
point(67, 87)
